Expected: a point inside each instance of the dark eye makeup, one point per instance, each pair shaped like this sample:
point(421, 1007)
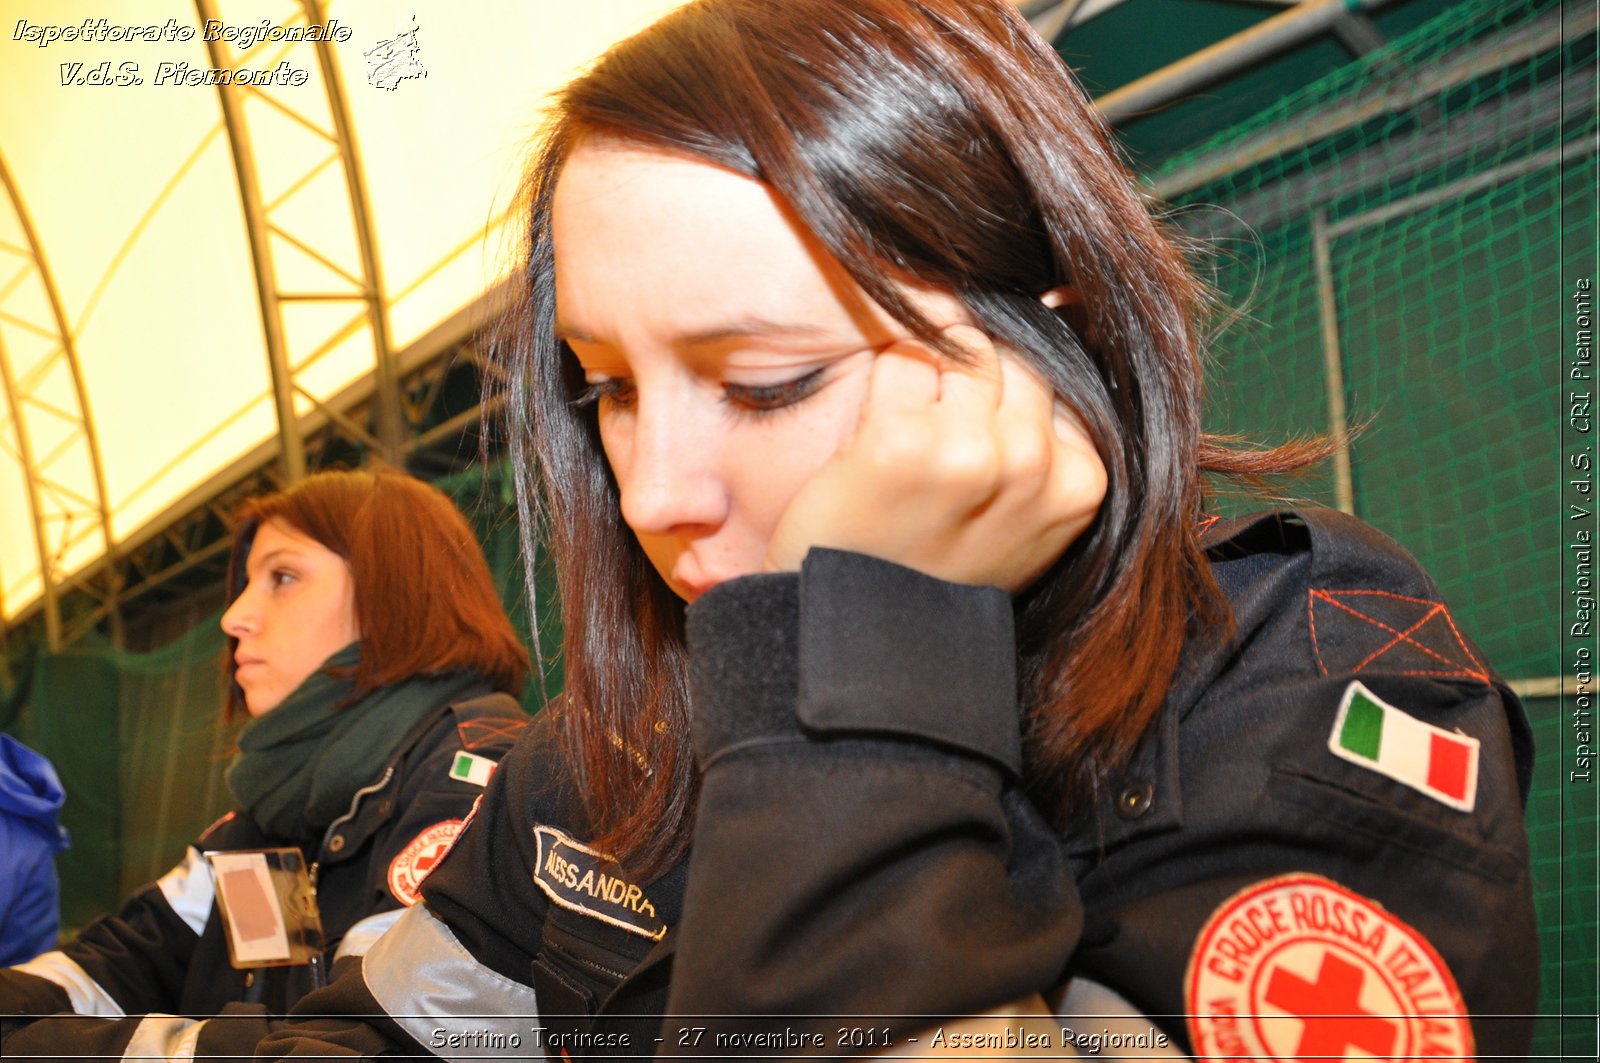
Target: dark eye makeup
point(770, 398)
point(617, 390)
point(750, 400)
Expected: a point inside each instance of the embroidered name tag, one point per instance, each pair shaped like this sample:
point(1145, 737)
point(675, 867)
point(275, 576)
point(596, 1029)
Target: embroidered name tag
point(581, 879)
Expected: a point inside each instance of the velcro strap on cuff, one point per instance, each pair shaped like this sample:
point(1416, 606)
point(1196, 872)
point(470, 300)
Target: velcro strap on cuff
point(743, 662)
point(885, 648)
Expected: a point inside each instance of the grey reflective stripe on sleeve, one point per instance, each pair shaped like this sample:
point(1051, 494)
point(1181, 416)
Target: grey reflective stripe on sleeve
point(190, 889)
point(87, 995)
point(1091, 1010)
point(359, 939)
point(452, 1005)
point(163, 1037)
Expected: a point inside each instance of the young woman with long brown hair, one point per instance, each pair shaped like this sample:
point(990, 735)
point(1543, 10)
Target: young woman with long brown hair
point(858, 392)
point(368, 648)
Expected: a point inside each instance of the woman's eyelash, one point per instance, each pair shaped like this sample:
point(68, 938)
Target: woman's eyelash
point(756, 400)
point(616, 389)
point(747, 399)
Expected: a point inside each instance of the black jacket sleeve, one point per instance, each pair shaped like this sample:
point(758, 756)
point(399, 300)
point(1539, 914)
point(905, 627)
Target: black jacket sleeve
point(131, 961)
point(157, 977)
point(861, 848)
point(1253, 884)
point(125, 980)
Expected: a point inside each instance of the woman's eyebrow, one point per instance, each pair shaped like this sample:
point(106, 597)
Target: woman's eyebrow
point(270, 558)
point(742, 328)
point(745, 328)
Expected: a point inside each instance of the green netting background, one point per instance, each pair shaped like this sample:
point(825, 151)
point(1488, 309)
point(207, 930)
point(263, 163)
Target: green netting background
point(1450, 178)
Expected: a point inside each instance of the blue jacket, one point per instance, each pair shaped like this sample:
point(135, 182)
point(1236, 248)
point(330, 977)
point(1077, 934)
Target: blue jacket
point(30, 805)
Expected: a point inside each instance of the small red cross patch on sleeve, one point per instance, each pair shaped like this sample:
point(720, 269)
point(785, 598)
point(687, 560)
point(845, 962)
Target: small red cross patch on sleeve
point(419, 857)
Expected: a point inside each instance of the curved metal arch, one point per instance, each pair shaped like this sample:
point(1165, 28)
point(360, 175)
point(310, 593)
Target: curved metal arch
point(33, 465)
point(52, 606)
point(387, 396)
point(366, 288)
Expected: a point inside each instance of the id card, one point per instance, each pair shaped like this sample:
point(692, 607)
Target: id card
point(269, 907)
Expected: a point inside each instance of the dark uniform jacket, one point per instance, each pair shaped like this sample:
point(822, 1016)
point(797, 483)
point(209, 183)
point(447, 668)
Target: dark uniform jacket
point(1318, 850)
point(157, 976)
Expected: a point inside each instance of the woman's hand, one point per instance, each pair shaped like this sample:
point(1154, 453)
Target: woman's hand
point(970, 473)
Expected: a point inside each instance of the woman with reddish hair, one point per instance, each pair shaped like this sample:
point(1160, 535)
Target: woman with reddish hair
point(369, 651)
point(857, 390)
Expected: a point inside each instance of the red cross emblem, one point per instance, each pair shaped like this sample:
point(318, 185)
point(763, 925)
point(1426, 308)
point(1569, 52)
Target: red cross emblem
point(425, 864)
point(412, 865)
point(1331, 1009)
point(1300, 968)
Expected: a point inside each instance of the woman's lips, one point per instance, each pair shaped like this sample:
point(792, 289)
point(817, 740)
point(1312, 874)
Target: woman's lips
point(690, 581)
point(691, 591)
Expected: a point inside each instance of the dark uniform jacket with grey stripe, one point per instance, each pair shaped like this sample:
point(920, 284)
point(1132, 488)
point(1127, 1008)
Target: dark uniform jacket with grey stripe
point(865, 863)
point(155, 979)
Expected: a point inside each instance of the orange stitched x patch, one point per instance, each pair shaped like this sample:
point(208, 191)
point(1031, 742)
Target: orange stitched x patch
point(1353, 629)
point(476, 734)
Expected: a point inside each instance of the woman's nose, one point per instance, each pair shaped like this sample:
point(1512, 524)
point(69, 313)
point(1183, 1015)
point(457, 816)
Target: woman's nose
point(669, 477)
point(239, 618)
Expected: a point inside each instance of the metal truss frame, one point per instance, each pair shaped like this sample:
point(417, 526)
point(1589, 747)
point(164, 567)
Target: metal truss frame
point(192, 540)
point(1298, 21)
point(438, 385)
point(62, 516)
point(264, 220)
point(424, 418)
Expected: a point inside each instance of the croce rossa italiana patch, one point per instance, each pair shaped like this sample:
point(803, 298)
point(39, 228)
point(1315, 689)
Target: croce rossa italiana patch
point(581, 879)
point(1299, 967)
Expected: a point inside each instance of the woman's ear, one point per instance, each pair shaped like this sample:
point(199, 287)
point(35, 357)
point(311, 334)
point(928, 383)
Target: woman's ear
point(1059, 296)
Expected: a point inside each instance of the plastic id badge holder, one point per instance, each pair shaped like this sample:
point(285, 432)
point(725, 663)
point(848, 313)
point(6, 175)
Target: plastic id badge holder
point(269, 908)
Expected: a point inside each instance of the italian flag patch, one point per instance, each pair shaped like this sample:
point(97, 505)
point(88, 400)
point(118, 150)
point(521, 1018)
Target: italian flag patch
point(1374, 734)
point(469, 767)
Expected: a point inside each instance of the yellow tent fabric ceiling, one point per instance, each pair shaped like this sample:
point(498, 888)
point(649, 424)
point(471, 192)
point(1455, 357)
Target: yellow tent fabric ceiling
point(131, 320)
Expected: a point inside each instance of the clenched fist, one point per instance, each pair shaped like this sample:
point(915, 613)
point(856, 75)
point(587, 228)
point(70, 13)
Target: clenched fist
point(971, 473)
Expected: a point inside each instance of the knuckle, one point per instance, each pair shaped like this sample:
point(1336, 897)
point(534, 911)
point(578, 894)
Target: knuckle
point(970, 463)
point(1095, 480)
point(1028, 458)
point(899, 444)
point(1085, 484)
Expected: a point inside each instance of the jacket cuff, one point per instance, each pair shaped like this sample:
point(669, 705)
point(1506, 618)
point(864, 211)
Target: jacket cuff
point(743, 663)
point(854, 645)
point(22, 993)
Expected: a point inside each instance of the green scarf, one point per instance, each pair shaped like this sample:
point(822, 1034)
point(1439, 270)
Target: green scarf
point(299, 764)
